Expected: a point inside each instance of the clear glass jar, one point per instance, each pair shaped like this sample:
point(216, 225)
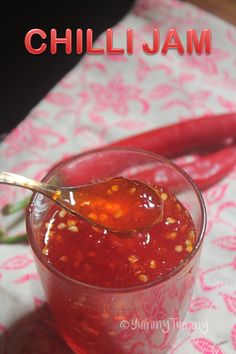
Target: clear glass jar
point(141, 319)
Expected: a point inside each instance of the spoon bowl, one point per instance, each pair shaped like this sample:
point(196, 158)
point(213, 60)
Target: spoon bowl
point(118, 204)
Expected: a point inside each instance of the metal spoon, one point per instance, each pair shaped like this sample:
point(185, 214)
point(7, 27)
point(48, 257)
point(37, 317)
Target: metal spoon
point(117, 204)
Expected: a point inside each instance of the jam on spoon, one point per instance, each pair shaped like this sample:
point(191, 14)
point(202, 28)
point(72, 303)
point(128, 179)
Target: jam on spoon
point(117, 204)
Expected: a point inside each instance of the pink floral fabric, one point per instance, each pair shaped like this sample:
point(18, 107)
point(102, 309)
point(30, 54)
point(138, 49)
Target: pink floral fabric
point(105, 98)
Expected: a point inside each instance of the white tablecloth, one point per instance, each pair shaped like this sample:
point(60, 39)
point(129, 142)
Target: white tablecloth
point(109, 97)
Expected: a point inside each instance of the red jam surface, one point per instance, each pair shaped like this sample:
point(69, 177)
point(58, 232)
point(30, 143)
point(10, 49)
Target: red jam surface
point(99, 257)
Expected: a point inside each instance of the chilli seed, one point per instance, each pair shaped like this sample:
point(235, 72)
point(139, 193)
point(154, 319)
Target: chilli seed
point(143, 278)
point(73, 228)
point(132, 258)
point(179, 248)
point(153, 264)
point(62, 213)
point(61, 226)
point(170, 220)
point(164, 196)
point(114, 188)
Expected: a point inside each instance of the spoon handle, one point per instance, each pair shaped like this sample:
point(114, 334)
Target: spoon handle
point(35, 186)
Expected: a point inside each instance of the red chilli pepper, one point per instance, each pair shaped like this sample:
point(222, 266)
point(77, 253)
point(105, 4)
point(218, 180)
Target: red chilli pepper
point(195, 134)
point(176, 139)
point(205, 171)
point(210, 169)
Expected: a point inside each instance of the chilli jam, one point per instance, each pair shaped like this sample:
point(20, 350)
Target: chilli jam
point(99, 257)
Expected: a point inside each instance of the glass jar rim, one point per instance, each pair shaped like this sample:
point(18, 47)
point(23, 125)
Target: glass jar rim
point(161, 278)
